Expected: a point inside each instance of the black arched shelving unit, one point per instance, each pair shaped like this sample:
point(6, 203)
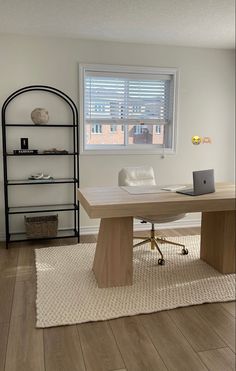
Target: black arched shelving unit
point(74, 156)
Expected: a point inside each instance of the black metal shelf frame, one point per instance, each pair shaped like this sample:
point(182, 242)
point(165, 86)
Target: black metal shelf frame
point(41, 154)
point(43, 181)
point(74, 207)
point(42, 125)
point(41, 209)
point(64, 233)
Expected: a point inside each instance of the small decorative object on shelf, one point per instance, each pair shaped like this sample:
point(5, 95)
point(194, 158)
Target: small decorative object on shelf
point(40, 116)
point(24, 143)
point(55, 150)
point(40, 176)
point(41, 226)
point(25, 151)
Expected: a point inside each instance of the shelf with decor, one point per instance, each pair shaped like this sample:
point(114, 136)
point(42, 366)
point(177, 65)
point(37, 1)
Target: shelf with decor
point(42, 125)
point(41, 208)
point(41, 154)
point(37, 182)
point(72, 181)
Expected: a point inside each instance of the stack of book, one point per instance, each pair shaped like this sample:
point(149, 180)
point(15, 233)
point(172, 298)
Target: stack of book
point(25, 151)
point(55, 151)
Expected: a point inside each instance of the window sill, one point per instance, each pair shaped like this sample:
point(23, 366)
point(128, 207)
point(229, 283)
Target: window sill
point(121, 152)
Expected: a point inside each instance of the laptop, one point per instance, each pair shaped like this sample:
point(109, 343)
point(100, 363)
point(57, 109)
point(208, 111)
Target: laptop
point(203, 182)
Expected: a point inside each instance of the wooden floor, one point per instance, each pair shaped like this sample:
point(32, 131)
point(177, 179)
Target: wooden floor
point(193, 338)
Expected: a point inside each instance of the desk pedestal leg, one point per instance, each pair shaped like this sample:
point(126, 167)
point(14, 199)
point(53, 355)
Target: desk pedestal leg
point(218, 240)
point(113, 261)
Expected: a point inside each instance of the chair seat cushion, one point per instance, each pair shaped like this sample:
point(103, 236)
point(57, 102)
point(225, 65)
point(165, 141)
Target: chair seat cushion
point(161, 218)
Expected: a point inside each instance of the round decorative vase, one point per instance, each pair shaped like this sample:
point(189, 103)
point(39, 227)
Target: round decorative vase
point(40, 116)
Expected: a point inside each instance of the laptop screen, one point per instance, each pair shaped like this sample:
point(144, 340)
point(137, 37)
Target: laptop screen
point(203, 181)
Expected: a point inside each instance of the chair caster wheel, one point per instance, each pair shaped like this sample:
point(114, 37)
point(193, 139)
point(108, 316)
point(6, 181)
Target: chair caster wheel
point(185, 251)
point(161, 261)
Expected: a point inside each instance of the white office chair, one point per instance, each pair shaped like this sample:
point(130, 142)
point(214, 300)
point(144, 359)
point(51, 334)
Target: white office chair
point(144, 175)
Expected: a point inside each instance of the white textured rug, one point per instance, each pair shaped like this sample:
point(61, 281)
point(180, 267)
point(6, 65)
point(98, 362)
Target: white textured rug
point(67, 292)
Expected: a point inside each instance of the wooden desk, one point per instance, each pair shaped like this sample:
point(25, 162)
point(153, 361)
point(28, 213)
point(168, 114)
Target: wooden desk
point(113, 265)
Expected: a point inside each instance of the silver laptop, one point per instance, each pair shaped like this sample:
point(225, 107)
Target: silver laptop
point(203, 182)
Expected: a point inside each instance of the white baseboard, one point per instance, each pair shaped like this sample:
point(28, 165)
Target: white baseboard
point(2, 236)
point(189, 221)
point(186, 222)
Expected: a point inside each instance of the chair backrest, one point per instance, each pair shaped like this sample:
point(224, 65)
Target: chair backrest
point(136, 176)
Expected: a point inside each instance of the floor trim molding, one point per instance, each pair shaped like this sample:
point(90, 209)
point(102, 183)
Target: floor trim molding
point(186, 222)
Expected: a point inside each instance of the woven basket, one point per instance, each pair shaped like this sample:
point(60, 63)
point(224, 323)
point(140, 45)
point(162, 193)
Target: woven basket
point(41, 226)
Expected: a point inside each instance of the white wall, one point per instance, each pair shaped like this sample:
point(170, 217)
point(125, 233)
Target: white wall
point(206, 108)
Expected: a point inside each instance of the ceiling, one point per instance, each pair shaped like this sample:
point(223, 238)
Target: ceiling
point(198, 23)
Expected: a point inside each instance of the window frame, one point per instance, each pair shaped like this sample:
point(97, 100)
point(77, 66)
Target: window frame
point(122, 149)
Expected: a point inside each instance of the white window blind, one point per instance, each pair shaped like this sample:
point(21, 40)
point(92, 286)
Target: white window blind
point(126, 98)
point(125, 105)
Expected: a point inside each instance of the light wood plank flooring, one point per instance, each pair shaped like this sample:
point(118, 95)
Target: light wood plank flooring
point(194, 338)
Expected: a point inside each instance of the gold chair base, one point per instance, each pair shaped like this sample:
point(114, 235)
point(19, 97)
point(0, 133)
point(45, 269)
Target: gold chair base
point(154, 242)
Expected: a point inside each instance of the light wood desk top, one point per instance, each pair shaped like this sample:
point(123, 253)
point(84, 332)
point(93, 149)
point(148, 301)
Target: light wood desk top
point(113, 265)
point(110, 202)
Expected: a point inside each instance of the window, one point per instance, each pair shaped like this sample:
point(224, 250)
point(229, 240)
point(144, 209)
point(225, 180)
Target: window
point(139, 129)
point(96, 128)
point(158, 129)
point(132, 108)
point(113, 128)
